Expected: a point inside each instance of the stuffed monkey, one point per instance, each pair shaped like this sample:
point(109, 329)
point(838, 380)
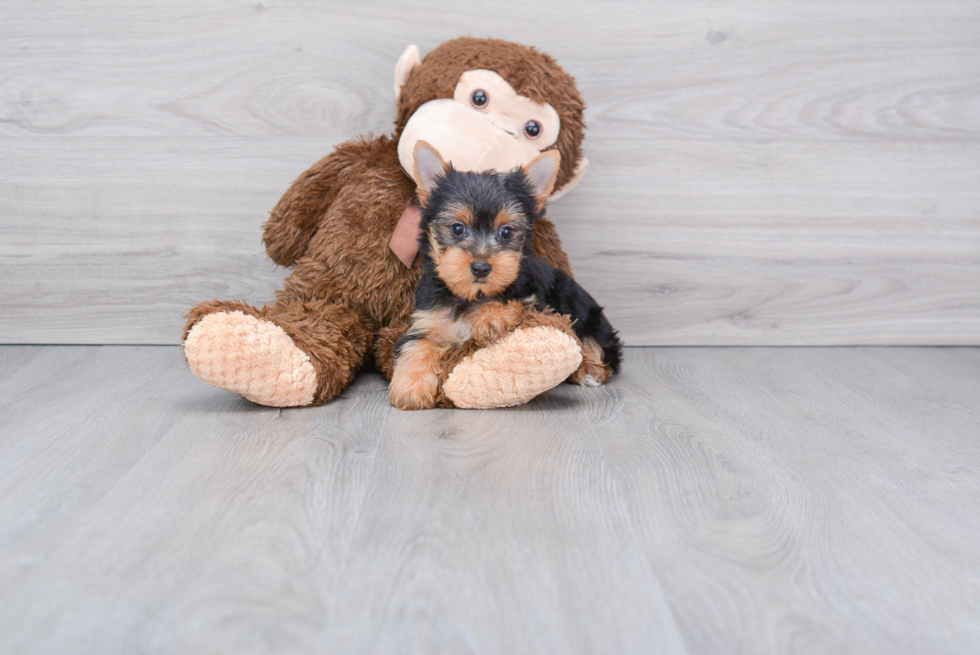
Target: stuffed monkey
point(349, 229)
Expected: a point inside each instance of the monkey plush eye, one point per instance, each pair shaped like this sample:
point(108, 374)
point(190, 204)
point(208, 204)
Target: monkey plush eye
point(457, 229)
point(479, 98)
point(506, 232)
point(532, 129)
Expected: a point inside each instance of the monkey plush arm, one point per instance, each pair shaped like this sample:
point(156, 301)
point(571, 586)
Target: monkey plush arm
point(294, 219)
point(547, 245)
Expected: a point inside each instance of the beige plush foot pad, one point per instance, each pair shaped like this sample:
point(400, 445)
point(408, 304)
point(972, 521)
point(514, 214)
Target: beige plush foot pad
point(513, 371)
point(252, 357)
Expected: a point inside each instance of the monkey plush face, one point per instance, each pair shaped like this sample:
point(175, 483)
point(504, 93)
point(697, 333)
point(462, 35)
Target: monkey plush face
point(485, 125)
point(489, 105)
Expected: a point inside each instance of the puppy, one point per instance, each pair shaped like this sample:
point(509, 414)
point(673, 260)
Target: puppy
point(480, 278)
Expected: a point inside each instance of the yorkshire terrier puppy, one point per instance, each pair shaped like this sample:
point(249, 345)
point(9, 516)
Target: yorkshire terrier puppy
point(480, 278)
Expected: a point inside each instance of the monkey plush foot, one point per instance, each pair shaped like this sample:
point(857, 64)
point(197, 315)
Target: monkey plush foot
point(252, 357)
point(523, 365)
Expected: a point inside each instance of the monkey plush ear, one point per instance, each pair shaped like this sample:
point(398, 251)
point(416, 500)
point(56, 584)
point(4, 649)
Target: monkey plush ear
point(406, 64)
point(429, 167)
point(583, 165)
point(542, 173)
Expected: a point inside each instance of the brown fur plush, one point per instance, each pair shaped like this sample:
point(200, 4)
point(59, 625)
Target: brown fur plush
point(528, 318)
point(349, 297)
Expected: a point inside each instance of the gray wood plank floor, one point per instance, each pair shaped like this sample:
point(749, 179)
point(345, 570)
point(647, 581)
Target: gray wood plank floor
point(708, 500)
point(763, 173)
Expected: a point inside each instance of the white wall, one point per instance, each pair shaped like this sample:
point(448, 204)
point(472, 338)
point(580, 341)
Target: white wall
point(762, 173)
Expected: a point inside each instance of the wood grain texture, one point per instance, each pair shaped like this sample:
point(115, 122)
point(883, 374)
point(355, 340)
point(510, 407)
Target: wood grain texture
point(800, 173)
point(810, 70)
point(749, 500)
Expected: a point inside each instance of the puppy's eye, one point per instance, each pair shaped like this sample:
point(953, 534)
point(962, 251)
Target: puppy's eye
point(457, 229)
point(480, 99)
point(532, 129)
point(506, 232)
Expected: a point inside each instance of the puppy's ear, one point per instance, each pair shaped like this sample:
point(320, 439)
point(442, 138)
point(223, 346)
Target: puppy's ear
point(429, 167)
point(542, 173)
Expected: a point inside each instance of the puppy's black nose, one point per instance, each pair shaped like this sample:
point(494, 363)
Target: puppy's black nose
point(480, 268)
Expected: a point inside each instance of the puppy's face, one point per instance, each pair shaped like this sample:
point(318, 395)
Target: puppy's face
point(476, 244)
point(477, 223)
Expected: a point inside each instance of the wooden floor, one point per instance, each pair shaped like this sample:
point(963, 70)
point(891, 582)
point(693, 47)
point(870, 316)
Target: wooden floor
point(709, 500)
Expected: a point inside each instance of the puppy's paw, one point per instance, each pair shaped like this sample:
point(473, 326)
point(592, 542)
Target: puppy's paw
point(591, 376)
point(593, 372)
point(492, 320)
point(420, 398)
point(415, 381)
